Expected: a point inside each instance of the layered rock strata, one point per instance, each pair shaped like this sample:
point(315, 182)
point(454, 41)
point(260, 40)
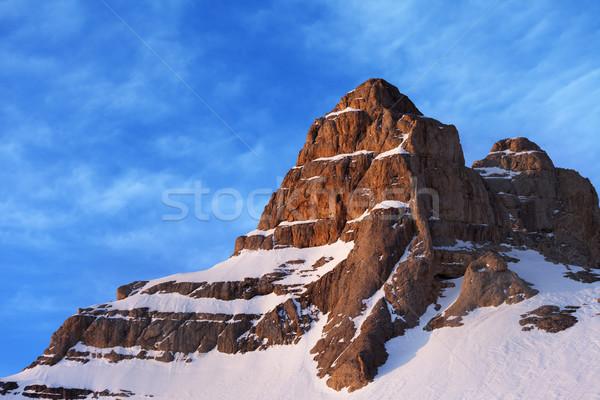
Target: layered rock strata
point(366, 231)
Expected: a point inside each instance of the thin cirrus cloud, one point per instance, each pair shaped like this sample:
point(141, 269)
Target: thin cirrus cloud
point(95, 128)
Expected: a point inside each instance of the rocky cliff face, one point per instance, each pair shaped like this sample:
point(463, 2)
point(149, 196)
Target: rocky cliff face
point(366, 231)
point(551, 209)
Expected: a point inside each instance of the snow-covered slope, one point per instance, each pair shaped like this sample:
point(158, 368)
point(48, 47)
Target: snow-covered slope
point(488, 357)
point(248, 264)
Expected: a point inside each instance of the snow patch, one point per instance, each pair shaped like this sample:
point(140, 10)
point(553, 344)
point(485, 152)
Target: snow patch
point(488, 357)
point(496, 172)
point(391, 204)
point(290, 223)
point(397, 150)
point(516, 153)
point(177, 303)
point(258, 232)
point(345, 110)
point(256, 263)
point(460, 245)
point(342, 156)
point(311, 178)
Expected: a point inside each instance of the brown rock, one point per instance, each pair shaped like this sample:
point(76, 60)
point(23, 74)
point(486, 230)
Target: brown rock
point(487, 282)
point(377, 173)
point(129, 289)
point(183, 288)
point(549, 318)
point(553, 210)
point(67, 336)
point(517, 154)
point(585, 276)
point(282, 325)
point(45, 392)
point(7, 387)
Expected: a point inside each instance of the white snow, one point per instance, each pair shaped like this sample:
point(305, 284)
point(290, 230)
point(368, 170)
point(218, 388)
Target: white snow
point(342, 156)
point(175, 302)
point(515, 153)
point(305, 274)
point(391, 204)
point(306, 221)
point(258, 232)
point(382, 205)
point(256, 263)
point(363, 216)
point(460, 245)
point(268, 232)
point(378, 295)
point(345, 110)
point(311, 178)
point(394, 151)
point(496, 172)
point(487, 358)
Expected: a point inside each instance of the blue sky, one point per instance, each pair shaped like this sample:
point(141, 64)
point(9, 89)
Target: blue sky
point(94, 128)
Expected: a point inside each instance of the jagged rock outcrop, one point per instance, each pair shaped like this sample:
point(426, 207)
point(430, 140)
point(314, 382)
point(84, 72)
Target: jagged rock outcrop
point(487, 282)
point(8, 387)
point(45, 392)
point(365, 231)
point(127, 290)
point(549, 318)
point(553, 210)
point(585, 276)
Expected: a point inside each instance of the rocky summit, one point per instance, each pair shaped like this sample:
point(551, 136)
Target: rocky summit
point(377, 233)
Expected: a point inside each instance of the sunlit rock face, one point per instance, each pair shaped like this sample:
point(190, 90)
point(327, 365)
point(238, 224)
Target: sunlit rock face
point(363, 236)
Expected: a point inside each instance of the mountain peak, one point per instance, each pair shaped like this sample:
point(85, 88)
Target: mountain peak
point(375, 118)
point(378, 229)
point(516, 144)
point(374, 94)
point(517, 154)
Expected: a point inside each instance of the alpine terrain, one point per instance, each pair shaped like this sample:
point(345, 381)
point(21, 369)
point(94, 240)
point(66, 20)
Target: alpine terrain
point(382, 266)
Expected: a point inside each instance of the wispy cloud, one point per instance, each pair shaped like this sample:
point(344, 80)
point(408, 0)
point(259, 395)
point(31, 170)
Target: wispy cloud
point(94, 128)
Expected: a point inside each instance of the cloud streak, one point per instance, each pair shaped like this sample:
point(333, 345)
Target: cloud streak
point(93, 128)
